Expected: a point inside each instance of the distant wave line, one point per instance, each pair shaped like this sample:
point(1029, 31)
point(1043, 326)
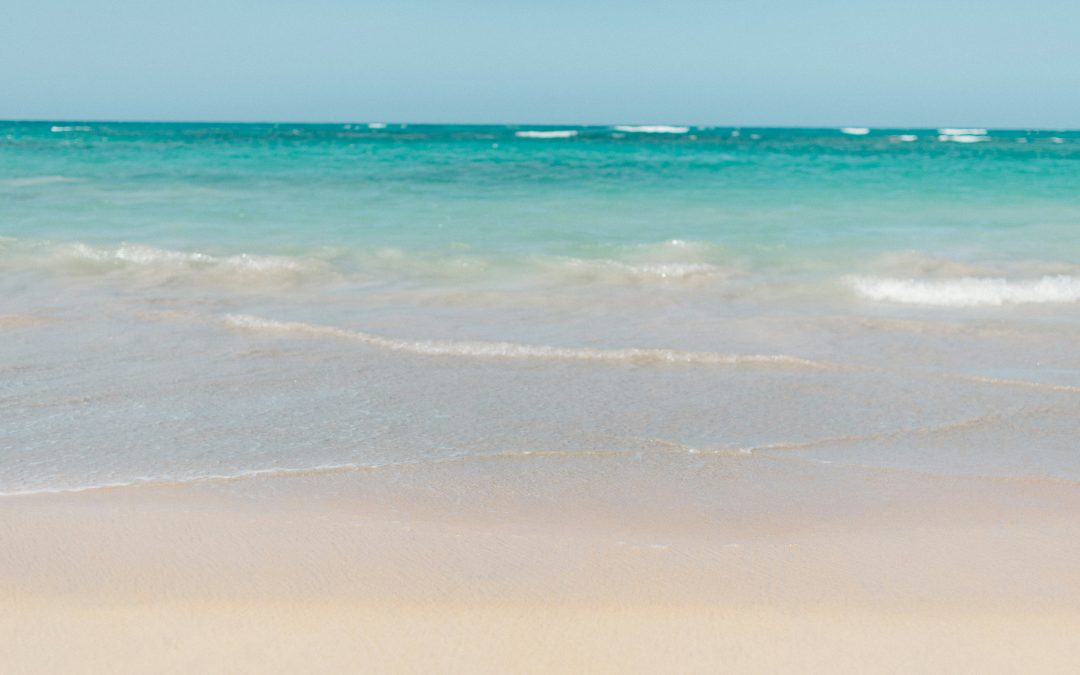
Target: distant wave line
point(652, 129)
point(559, 133)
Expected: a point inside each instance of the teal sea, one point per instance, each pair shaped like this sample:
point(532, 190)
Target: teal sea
point(187, 302)
point(775, 197)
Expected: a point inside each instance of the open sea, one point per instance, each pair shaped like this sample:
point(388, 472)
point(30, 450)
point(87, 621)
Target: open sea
point(190, 302)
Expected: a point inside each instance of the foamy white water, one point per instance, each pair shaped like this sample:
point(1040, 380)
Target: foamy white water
point(970, 292)
point(554, 133)
point(652, 129)
point(961, 132)
point(963, 138)
point(509, 350)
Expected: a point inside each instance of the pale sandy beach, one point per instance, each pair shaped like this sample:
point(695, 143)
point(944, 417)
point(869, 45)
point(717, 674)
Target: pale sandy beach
point(391, 571)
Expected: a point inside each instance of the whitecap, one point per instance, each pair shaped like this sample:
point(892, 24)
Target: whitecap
point(558, 133)
point(60, 129)
point(962, 138)
point(950, 131)
point(969, 291)
point(652, 129)
point(854, 131)
point(904, 138)
point(376, 125)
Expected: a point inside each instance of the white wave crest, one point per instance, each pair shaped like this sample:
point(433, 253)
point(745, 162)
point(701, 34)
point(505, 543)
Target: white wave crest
point(949, 131)
point(58, 129)
point(558, 133)
point(854, 131)
point(675, 261)
point(962, 138)
point(512, 350)
point(616, 271)
point(652, 129)
point(969, 291)
point(160, 264)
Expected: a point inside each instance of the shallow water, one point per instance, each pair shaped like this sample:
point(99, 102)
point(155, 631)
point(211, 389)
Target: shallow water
point(180, 302)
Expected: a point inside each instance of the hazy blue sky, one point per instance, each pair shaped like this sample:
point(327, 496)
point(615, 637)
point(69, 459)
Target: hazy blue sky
point(771, 62)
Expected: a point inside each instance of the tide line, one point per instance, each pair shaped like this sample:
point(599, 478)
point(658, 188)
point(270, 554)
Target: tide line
point(512, 350)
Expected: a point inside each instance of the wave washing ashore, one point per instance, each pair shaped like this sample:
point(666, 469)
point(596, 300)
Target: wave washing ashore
point(727, 384)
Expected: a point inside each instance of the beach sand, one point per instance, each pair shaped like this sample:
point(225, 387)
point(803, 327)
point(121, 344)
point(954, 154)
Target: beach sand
point(459, 568)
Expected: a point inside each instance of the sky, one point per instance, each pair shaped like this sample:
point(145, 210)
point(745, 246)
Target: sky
point(917, 63)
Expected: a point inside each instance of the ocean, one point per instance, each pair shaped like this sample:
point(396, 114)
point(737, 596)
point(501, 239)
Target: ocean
point(205, 302)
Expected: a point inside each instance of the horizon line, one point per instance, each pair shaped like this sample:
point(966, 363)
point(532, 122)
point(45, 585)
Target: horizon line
point(43, 120)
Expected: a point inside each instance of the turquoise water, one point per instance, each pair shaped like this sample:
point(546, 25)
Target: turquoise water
point(768, 194)
point(182, 301)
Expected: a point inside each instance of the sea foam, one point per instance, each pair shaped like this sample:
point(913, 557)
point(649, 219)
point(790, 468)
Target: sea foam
point(954, 135)
point(558, 133)
point(616, 271)
point(513, 350)
point(652, 129)
point(950, 131)
point(962, 138)
point(969, 291)
point(149, 263)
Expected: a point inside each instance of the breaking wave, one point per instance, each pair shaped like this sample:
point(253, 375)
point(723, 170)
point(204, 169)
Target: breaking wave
point(652, 129)
point(969, 291)
point(674, 262)
point(616, 271)
point(149, 264)
point(949, 131)
point(559, 133)
point(148, 256)
point(962, 138)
